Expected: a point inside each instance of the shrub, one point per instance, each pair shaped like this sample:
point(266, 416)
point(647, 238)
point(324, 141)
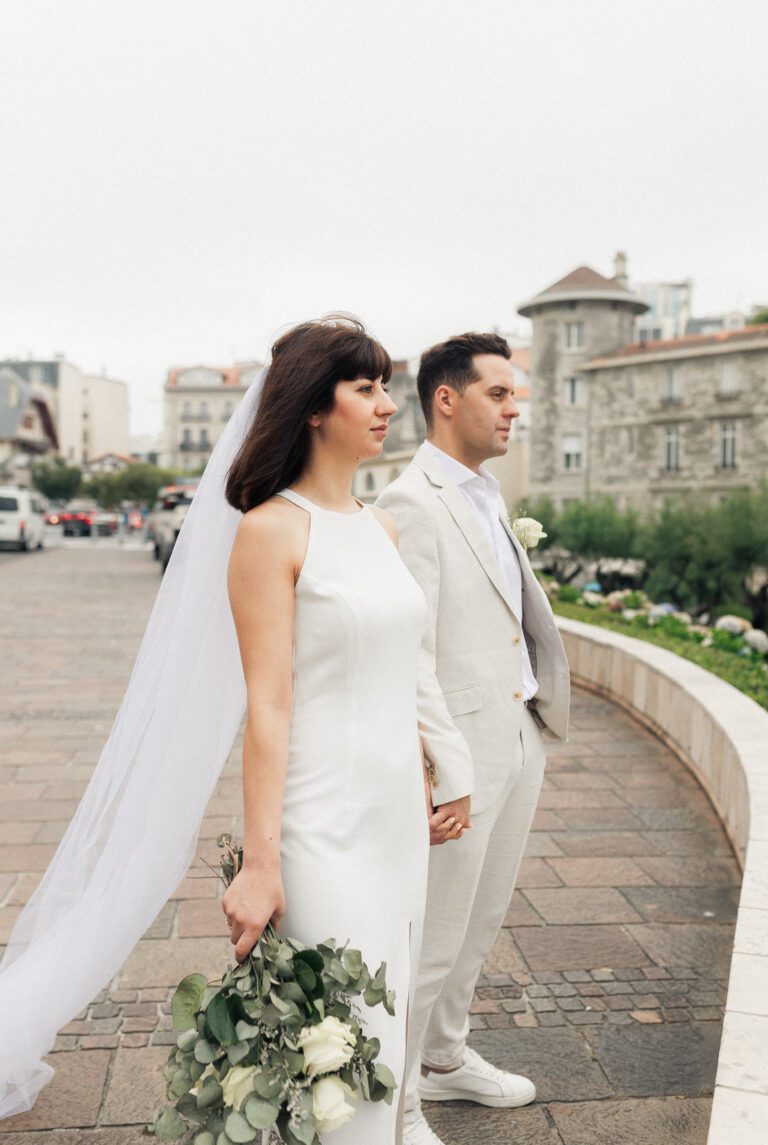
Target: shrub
point(568, 594)
point(732, 609)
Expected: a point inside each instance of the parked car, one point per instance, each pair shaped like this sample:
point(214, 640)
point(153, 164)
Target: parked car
point(81, 518)
point(167, 518)
point(22, 523)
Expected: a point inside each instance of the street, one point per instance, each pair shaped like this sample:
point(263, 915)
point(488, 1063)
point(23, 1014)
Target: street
point(607, 981)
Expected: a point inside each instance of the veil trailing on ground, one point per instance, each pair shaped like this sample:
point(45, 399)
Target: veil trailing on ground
point(133, 835)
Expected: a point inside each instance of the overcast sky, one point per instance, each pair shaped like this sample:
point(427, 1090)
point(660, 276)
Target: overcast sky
point(181, 179)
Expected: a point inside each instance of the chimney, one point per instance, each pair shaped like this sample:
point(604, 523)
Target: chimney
point(620, 268)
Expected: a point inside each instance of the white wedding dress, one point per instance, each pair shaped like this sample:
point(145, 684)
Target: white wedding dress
point(355, 840)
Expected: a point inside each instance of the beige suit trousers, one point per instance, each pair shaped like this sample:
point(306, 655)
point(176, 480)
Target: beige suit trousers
point(470, 885)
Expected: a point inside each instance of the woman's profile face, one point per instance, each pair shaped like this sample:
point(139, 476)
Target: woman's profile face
point(357, 423)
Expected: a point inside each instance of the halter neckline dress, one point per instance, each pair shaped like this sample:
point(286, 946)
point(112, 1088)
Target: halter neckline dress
point(355, 840)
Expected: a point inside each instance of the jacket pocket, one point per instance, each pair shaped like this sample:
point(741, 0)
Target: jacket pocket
point(464, 700)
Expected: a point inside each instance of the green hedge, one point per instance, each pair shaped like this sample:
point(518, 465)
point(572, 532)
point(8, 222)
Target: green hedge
point(748, 676)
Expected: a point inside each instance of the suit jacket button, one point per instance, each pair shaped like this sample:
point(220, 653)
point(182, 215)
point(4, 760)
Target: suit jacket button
point(518, 695)
point(516, 640)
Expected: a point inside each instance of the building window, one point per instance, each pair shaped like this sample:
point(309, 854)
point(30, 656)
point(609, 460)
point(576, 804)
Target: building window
point(574, 335)
point(203, 411)
point(370, 482)
point(204, 442)
point(186, 410)
point(728, 380)
point(672, 448)
point(227, 410)
point(186, 439)
point(572, 390)
point(572, 451)
point(728, 445)
point(670, 388)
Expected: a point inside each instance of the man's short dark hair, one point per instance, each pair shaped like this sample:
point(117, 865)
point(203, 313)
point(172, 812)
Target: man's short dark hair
point(451, 364)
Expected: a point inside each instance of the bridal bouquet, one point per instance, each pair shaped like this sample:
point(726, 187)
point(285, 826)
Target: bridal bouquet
point(278, 1045)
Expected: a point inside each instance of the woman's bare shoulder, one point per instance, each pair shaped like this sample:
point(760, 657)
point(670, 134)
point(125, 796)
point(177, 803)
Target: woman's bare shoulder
point(274, 529)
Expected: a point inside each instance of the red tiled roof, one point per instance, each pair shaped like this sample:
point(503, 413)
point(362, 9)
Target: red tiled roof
point(230, 375)
point(687, 342)
point(583, 278)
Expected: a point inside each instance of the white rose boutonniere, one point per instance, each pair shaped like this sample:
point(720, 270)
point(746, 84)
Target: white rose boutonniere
point(329, 1106)
point(327, 1046)
point(528, 531)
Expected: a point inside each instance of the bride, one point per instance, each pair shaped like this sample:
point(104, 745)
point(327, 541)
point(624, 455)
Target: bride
point(276, 561)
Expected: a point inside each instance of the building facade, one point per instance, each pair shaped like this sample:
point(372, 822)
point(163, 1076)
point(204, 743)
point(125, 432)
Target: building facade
point(27, 428)
point(680, 416)
point(198, 403)
point(90, 411)
point(640, 420)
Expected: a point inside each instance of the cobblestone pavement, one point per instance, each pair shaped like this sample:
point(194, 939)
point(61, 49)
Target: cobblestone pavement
point(606, 985)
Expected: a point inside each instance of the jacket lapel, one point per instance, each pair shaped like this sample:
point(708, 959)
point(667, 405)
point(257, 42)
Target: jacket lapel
point(461, 511)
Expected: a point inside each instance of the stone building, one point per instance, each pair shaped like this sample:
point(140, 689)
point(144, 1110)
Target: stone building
point(576, 319)
point(199, 401)
point(640, 421)
point(90, 411)
point(681, 416)
point(27, 428)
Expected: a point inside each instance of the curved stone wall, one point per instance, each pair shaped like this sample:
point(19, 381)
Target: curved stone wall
point(722, 736)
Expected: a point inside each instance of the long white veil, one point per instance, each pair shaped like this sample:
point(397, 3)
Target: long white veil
point(134, 833)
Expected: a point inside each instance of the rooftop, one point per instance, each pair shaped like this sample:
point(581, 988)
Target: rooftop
point(585, 283)
point(720, 339)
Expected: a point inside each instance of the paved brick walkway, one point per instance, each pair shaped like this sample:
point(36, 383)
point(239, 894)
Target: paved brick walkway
point(606, 985)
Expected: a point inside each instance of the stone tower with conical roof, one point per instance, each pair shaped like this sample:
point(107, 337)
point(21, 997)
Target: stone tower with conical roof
point(577, 318)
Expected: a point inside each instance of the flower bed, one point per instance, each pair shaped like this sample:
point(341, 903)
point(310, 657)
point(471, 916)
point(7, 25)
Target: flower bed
point(731, 649)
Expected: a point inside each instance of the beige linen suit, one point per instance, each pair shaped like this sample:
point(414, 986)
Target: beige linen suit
point(472, 681)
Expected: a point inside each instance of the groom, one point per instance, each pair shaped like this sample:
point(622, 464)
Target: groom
point(503, 676)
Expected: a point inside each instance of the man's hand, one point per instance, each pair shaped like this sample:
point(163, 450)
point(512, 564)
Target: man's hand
point(460, 809)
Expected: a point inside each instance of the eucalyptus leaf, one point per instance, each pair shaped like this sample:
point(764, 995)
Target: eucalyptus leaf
point(245, 1030)
point(238, 1129)
point(384, 1075)
point(259, 1113)
point(389, 1002)
point(179, 1083)
point(187, 999)
point(168, 1126)
point(238, 1051)
point(219, 1021)
point(267, 1086)
point(353, 962)
point(304, 1131)
point(209, 1093)
point(223, 1139)
point(205, 1138)
point(186, 1041)
point(205, 1051)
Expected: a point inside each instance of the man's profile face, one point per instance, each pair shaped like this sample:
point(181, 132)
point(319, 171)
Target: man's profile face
point(484, 413)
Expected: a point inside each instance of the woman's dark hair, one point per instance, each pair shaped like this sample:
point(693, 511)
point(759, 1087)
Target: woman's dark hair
point(307, 363)
point(450, 364)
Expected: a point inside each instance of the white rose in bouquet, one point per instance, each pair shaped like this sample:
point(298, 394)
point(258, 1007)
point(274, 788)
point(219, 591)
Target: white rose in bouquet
point(237, 1085)
point(329, 1106)
point(528, 531)
point(327, 1046)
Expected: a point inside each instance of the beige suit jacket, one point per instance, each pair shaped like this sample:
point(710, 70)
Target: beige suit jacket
point(471, 677)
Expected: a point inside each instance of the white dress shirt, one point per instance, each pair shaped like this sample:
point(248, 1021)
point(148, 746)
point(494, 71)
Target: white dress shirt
point(481, 490)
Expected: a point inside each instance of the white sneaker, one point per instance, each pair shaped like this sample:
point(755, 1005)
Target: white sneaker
point(477, 1080)
point(417, 1132)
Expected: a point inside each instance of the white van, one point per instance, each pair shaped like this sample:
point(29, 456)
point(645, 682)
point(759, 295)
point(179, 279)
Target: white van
point(22, 523)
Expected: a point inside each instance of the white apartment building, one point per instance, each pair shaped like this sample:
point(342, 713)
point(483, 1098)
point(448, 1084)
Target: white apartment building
point(199, 401)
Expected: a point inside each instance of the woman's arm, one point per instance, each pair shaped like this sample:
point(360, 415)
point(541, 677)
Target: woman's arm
point(261, 579)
